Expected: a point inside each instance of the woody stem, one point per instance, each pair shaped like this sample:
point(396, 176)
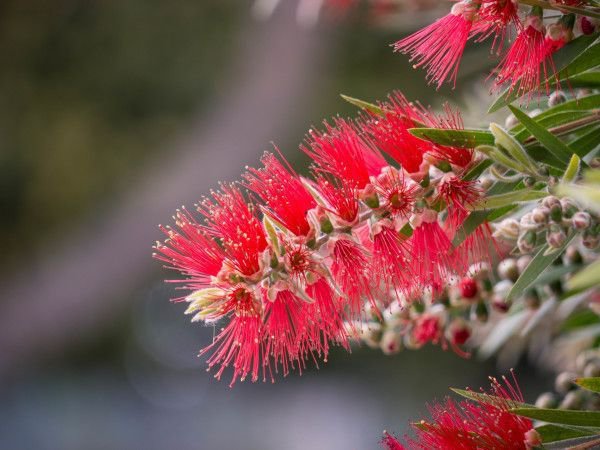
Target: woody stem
point(589, 12)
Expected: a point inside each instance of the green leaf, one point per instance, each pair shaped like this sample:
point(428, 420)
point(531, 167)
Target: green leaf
point(454, 138)
point(370, 107)
point(586, 142)
point(477, 170)
point(553, 120)
point(536, 266)
point(591, 384)
point(576, 443)
point(512, 146)
point(561, 416)
point(553, 433)
point(497, 201)
point(576, 57)
point(586, 278)
point(572, 169)
point(557, 147)
point(500, 157)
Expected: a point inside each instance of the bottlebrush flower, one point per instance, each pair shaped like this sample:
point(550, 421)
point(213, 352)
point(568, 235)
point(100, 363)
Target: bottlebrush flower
point(467, 425)
point(459, 196)
point(493, 19)
point(341, 152)
point(391, 258)
point(428, 328)
point(281, 190)
point(430, 251)
point(341, 198)
point(233, 222)
point(397, 192)
point(439, 46)
point(526, 63)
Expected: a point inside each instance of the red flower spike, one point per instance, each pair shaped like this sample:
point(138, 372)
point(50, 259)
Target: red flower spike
point(282, 191)
point(352, 273)
point(431, 252)
point(451, 119)
point(526, 64)
point(285, 323)
point(396, 192)
point(341, 152)
point(342, 198)
point(239, 344)
point(493, 19)
point(439, 46)
point(460, 196)
point(468, 288)
point(189, 250)
point(428, 328)
point(467, 425)
point(479, 246)
point(391, 261)
point(389, 442)
point(233, 222)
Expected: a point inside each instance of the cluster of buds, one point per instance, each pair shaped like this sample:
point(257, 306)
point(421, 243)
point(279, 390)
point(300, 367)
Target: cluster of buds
point(567, 394)
point(524, 64)
point(552, 221)
point(290, 262)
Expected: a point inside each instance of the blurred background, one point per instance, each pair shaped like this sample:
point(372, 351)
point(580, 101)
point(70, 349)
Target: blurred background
point(112, 115)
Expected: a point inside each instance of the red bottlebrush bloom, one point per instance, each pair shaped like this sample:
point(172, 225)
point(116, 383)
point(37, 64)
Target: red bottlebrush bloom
point(439, 46)
point(189, 250)
point(239, 344)
point(351, 271)
point(389, 442)
point(232, 221)
point(459, 196)
point(526, 63)
point(468, 288)
point(390, 132)
point(391, 260)
point(450, 120)
point(282, 191)
point(479, 246)
point(341, 198)
point(467, 425)
point(396, 192)
point(341, 152)
point(493, 19)
point(430, 250)
point(284, 327)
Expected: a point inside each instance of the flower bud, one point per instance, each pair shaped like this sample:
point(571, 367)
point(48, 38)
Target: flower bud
point(590, 240)
point(547, 400)
point(529, 182)
point(511, 122)
point(508, 269)
point(527, 222)
point(540, 215)
point(391, 342)
point(508, 229)
point(581, 220)
point(556, 98)
point(569, 207)
point(572, 255)
point(587, 26)
point(503, 287)
point(523, 262)
point(533, 439)
point(468, 288)
point(535, 112)
point(550, 201)
point(583, 359)
point(458, 331)
point(371, 334)
point(592, 369)
point(556, 213)
point(572, 400)
point(556, 238)
point(564, 382)
point(526, 241)
point(500, 304)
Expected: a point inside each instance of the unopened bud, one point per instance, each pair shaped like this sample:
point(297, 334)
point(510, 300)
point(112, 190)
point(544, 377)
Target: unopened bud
point(569, 207)
point(564, 382)
point(581, 220)
point(573, 400)
point(526, 242)
point(540, 215)
point(371, 334)
point(533, 439)
point(592, 369)
point(508, 229)
point(556, 213)
point(369, 196)
point(508, 269)
point(523, 262)
point(546, 400)
point(556, 237)
point(391, 342)
point(500, 304)
point(527, 222)
point(550, 201)
point(556, 98)
point(459, 331)
point(590, 240)
point(511, 121)
point(503, 287)
point(587, 25)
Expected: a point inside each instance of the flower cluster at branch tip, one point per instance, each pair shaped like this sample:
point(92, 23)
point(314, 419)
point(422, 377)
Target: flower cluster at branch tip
point(524, 65)
point(294, 265)
point(487, 423)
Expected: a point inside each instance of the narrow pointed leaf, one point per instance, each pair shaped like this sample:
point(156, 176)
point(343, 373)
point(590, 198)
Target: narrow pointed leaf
point(554, 433)
point(537, 265)
point(454, 138)
point(481, 397)
point(514, 148)
point(588, 277)
point(560, 118)
point(561, 416)
point(585, 143)
point(370, 107)
point(591, 384)
point(572, 169)
point(576, 443)
point(497, 201)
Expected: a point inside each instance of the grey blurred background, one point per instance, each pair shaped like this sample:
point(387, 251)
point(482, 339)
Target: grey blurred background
point(112, 114)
